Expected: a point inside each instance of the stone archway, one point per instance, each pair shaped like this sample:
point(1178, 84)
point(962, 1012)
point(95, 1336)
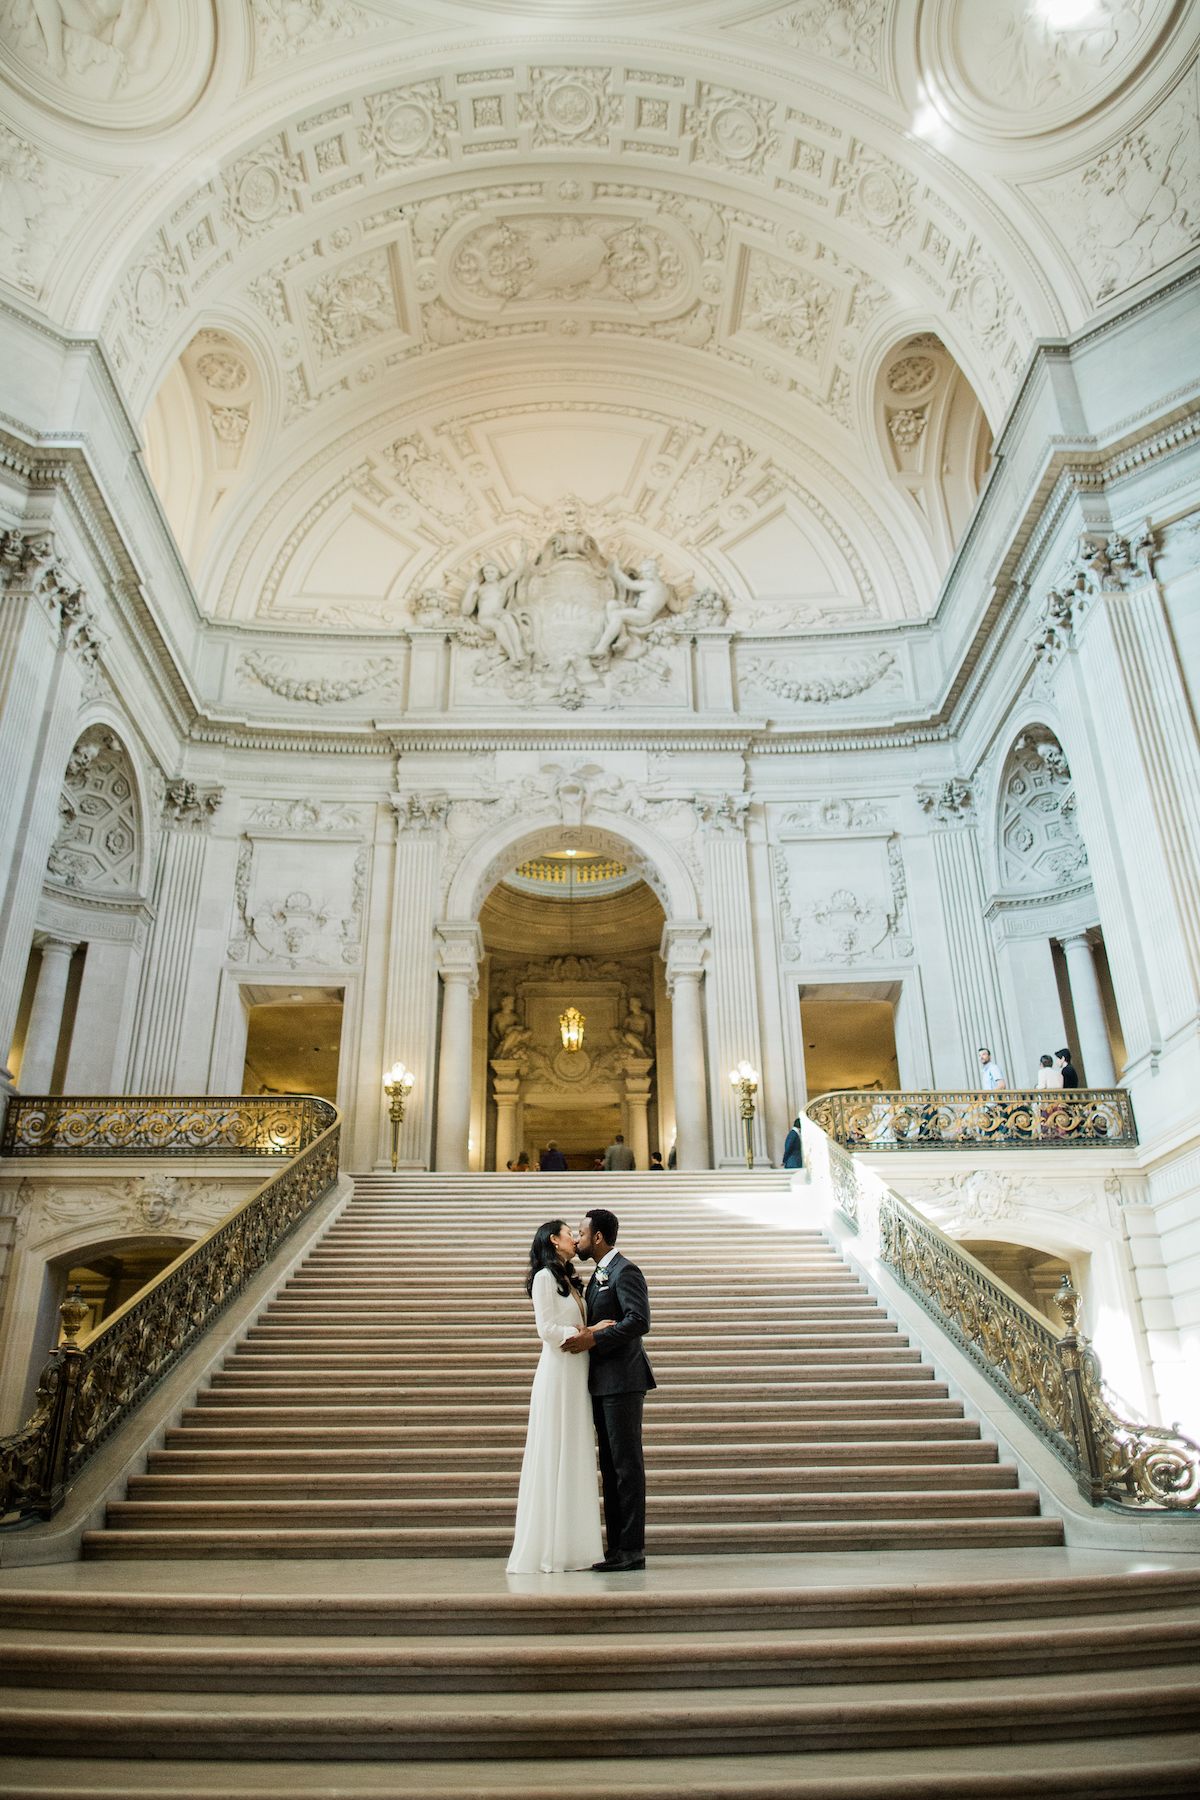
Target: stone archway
point(671, 869)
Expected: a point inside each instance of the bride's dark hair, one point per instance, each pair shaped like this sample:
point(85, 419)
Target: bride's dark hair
point(543, 1255)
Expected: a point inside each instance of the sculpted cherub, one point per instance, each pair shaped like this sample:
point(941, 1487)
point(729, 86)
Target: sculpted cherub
point(653, 593)
point(488, 597)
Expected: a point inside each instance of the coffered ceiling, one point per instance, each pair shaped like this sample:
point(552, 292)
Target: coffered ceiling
point(390, 284)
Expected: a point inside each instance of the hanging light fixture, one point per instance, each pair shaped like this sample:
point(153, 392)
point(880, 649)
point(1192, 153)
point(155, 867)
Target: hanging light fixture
point(571, 1024)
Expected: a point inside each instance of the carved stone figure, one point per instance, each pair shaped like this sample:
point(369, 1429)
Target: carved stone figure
point(487, 600)
point(636, 1028)
point(507, 1030)
point(624, 622)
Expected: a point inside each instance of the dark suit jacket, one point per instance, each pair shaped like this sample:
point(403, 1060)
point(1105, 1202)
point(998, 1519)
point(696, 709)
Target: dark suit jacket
point(553, 1160)
point(618, 1363)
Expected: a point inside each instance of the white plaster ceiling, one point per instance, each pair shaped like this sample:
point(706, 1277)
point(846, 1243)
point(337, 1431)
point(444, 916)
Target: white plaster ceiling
point(487, 257)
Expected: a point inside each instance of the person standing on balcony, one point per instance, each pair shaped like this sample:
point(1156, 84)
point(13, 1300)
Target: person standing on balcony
point(793, 1148)
point(553, 1161)
point(1070, 1074)
point(1048, 1075)
point(993, 1078)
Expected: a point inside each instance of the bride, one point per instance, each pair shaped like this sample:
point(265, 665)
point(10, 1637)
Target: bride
point(558, 1505)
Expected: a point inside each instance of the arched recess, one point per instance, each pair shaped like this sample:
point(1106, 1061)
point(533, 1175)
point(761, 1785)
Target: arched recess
point(649, 853)
point(933, 435)
point(493, 853)
point(94, 909)
point(1044, 917)
point(200, 434)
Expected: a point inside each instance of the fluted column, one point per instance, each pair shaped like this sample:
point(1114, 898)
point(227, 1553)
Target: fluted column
point(973, 977)
point(732, 979)
point(410, 1016)
point(683, 952)
point(1090, 1023)
point(460, 946)
point(47, 642)
point(158, 1029)
point(45, 1021)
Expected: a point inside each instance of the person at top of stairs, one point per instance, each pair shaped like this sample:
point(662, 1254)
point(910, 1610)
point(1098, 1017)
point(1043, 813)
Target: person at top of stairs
point(558, 1508)
point(619, 1378)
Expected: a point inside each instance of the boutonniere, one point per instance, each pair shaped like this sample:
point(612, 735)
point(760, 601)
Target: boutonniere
point(602, 1278)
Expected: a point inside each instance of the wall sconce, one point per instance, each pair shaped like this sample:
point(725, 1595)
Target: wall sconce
point(571, 1025)
point(745, 1080)
point(397, 1085)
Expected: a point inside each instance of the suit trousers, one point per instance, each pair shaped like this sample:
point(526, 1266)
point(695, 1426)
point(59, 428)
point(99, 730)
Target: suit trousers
point(618, 1419)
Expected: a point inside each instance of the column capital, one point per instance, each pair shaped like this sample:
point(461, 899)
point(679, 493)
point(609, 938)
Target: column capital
point(1076, 937)
point(459, 950)
point(682, 949)
point(54, 941)
point(189, 807)
point(948, 803)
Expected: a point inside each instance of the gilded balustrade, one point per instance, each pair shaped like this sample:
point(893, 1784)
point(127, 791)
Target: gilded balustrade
point(88, 1389)
point(123, 1125)
point(1053, 1378)
point(1004, 1119)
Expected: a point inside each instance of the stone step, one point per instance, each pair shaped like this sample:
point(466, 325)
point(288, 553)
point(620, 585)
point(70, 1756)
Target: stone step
point(832, 1382)
point(237, 1609)
point(727, 1460)
point(475, 1371)
point(293, 1514)
point(778, 1479)
point(157, 1665)
point(692, 1539)
point(819, 1402)
point(1094, 1769)
point(449, 1728)
point(231, 1430)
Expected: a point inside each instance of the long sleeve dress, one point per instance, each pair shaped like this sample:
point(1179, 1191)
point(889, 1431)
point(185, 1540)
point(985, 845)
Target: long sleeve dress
point(558, 1503)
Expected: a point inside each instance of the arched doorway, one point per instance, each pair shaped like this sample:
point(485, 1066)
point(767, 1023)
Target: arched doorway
point(577, 1018)
point(651, 1053)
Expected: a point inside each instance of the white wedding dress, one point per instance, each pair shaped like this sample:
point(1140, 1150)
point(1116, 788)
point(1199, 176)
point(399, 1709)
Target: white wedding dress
point(558, 1505)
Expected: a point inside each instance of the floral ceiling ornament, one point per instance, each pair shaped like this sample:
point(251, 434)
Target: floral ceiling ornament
point(569, 107)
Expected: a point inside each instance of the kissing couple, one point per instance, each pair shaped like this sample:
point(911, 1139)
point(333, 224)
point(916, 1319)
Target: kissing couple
point(593, 1372)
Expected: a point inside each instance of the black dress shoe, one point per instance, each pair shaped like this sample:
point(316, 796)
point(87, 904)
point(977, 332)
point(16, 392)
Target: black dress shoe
point(601, 1568)
point(624, 1563)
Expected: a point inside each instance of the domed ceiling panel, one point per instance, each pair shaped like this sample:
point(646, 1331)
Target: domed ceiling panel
point(1006, 68)
point(491, 261)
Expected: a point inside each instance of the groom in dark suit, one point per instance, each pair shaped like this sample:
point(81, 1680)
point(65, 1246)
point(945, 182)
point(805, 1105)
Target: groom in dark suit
point(619, 1377)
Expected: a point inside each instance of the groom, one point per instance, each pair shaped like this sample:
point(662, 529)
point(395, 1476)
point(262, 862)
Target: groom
point(619, 1377)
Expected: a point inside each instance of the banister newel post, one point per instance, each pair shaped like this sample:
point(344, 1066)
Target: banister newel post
point(1072, 1346)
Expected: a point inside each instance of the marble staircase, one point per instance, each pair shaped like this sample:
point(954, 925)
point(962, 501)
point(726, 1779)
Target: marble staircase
point(849, 1595)
point(378, 1408)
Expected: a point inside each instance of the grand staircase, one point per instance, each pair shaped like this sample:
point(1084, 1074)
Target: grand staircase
point(369, 1429)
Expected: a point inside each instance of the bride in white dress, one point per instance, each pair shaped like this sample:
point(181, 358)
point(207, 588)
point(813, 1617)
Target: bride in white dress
point(558, 1505)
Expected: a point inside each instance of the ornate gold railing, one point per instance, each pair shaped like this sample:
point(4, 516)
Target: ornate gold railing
point(1011, 1119)
point(87, 1389)
point(231, 1125)
point(1053, 1378)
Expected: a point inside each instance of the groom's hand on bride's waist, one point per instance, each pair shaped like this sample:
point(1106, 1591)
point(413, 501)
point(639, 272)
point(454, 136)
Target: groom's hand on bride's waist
point(583, 1340)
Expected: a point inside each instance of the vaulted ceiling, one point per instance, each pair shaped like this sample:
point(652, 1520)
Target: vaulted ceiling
point(753, 286)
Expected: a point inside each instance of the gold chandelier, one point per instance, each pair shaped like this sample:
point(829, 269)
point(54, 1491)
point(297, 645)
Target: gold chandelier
point(571, 1025)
